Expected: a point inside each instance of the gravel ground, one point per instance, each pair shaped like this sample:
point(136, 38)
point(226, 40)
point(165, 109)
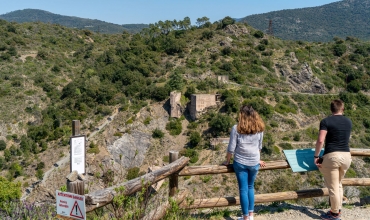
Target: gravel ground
point(288, 211)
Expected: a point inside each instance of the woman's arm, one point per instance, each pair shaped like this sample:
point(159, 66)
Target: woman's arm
point(232, 145)
point(228, 158)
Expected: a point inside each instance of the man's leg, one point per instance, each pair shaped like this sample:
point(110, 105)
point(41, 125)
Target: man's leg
point(345, 164)
point(330, 171)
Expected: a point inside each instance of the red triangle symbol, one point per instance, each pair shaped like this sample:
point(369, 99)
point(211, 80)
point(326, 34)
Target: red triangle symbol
point(76, 211)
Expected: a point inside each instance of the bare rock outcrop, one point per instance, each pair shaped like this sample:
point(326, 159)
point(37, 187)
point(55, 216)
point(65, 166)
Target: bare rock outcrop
point(236, 30)
point(303, 80)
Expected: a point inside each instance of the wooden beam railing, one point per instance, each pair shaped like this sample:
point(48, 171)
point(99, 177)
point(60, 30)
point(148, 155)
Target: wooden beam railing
point(178, 167)
point(270, 165)
point(103, 197)
point(271, 197)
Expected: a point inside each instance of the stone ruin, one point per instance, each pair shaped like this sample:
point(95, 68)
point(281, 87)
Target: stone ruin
point(175, 104)
point(223, 79)
point(200, 102)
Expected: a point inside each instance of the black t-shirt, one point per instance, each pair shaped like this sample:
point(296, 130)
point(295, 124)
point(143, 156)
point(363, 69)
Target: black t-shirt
point(339, 129)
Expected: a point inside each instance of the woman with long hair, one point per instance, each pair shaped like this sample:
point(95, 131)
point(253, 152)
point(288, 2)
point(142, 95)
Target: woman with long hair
point(246, 144)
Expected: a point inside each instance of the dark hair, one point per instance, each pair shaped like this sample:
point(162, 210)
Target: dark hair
point(249, 121)
point(336, 106)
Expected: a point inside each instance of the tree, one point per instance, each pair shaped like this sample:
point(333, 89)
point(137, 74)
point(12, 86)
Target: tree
point(339, 49)
point(221, 124)
point(226, 21)
point(176, 81)
point(202, 21)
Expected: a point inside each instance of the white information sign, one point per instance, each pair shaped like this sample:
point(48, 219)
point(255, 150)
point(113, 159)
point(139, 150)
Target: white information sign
point(71, 205)
point(78, 154)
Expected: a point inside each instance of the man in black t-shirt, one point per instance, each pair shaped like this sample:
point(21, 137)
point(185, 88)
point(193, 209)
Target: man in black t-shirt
point(335, 130)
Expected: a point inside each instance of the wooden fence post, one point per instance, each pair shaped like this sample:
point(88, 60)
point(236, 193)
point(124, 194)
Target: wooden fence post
point(174, 178)
point(75, 127)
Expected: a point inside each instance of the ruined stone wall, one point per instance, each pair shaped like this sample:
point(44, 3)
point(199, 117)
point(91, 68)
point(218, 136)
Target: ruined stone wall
point(199, 102)
point(175, 104)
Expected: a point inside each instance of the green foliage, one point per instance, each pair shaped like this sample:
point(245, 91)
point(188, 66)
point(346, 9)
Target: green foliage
point(174, 127)
point(319, 26)
point(194, 138)
point(40, 166)
point(221, 124)
point(232, 104)
point(258, 34)
point(226, 21)
point(9, 191)
point(147, 120)
point(2, 145)
point(286, 146)
point(132, 173)
point(39, 174)
point(157, 133)
point(339, 49)
point(15, 170)
point(191, 153)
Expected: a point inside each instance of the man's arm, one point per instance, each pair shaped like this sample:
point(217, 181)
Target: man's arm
point(319, 144)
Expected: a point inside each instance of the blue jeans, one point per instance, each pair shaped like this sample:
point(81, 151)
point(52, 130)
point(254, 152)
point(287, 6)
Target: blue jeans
point(246, 175)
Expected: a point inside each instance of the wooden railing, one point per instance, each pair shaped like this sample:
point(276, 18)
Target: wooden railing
point(177, 167)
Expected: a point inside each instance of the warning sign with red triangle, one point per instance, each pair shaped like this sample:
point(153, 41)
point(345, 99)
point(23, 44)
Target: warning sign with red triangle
point(76, 211)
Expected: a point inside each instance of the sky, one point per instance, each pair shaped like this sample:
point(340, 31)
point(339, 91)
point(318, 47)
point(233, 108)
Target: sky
point(151, 11)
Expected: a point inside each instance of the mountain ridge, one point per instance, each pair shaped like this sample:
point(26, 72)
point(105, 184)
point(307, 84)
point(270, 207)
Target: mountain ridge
point(320, 23)
point(35, 15)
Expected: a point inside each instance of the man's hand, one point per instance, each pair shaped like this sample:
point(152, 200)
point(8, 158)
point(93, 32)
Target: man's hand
point(316, 162)
point(225, 163)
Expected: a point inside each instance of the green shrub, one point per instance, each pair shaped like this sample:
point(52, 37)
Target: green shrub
point(174, 127)
point(351, 173)
point(2, 145)
point(147, 120)
point(132, 173)
point(206, 178)
point(157, 133)
point(297, 137)
point(40, 166)
point(118, 134)
point(286, 146)
point(166, 159)
point(221, 124)
point(39, 174)
point(191, 153)
point(9, 191)
point(194, 138)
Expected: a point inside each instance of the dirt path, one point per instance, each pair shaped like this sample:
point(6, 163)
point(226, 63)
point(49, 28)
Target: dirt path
point(296, 212)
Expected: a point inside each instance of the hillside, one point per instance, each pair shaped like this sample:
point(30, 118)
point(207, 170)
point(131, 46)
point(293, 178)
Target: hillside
point(322, 23)
point(35, 15)
point(118, 86)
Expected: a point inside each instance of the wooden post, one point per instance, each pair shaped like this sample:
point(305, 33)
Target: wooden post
point(75, 183)
point(174, 178)
point(75, 127)
point(76, 187)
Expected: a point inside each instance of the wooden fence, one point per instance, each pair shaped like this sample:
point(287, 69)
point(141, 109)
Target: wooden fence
point(178, 167)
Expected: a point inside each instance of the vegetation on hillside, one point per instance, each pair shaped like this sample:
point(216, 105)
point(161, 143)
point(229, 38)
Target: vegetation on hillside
point(50, 75)
point(343, 18)
point(36, 15)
